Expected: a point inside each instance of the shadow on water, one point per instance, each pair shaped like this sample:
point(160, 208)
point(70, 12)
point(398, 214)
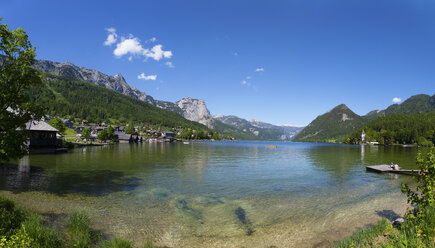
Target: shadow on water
point(388, 214)
point(24, 178)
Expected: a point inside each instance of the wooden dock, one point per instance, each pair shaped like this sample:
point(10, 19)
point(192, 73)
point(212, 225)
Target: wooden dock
point(387, 168)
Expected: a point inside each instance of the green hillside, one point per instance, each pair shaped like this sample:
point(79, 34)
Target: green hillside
point(329, 127)
point(69, 97)
point(398, 129)
point(233, 131)
point(333, 126)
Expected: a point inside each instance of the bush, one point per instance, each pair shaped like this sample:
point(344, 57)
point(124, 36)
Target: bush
point(79, 231)
point(10, 217)
point(44, 237)
point(116, 243)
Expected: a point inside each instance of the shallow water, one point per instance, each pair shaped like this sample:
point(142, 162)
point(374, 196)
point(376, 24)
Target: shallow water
point(217, 194)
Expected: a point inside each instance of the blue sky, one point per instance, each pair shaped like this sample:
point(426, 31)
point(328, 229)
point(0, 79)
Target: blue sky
point(277, 61)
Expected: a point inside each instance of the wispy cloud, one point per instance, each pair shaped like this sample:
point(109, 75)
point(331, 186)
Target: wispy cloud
point(111, 37)
point(244, 82)
point(132, 46)
point(259, 69)
point(169, 64)
point(396, 100)
point(145, 77)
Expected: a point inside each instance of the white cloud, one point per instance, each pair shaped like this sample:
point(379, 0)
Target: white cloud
point(132, 46)
point(244, 82)
point(259, 69)
point(169, 64)
point(112, 37)
point(248, 77)
point(145, 77)
point(128, 46)
point(157, 53)
point(397, 100)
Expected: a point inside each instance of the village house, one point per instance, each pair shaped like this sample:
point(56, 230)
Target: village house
point(42, 136)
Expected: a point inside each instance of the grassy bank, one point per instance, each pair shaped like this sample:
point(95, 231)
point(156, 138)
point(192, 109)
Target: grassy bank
point(22, 228)
point(413, 233)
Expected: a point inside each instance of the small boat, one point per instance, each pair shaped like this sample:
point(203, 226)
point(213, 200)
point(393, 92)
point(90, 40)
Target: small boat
point(61, 150)
point(270, 146)
point(186, 143)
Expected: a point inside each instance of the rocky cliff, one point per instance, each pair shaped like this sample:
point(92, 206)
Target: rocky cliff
point(196, 110)
point(116, 83)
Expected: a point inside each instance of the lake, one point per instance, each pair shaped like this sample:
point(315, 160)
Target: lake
point(216, 194)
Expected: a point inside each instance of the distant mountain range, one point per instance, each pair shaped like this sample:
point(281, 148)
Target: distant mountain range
point(335, 125)
point(260, 129)
point(191, 109)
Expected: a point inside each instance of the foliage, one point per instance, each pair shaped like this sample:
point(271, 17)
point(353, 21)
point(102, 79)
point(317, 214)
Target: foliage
point(41, 235)
point(58, 124)
point(412, 233)
point(129, 129)
point(21, 228)
point(10, 216)
point(110, 132)
point(102, 135)
point(18, 240)
point(424, 195)
point(116, 243)
point(69, 132)
point(79, 231)
point(86, 133)
point(415, 232)
point(399, 129)
point(16, 75)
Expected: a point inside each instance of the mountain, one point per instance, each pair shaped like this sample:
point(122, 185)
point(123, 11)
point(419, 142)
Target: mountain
point(261, 130)
point(57, 74)
point(116, 83)
point(185, 107)
point(331, 126)
point(65, 96)
point(196, 110)
point(341, 121)
point(415, 104)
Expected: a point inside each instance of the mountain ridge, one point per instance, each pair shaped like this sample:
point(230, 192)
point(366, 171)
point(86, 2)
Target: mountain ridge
point(340, 121)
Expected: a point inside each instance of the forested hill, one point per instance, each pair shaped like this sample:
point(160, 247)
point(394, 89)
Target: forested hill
point(398, 129)
point(337, 124)
point(68, 97)
point(332, 126)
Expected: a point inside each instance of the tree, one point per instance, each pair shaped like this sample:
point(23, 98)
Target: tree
point(130, 128)
point(102, 135)
point(58, 124)
point(86, 133)
point(424, 195)
point(110, 132)
point(16, 76)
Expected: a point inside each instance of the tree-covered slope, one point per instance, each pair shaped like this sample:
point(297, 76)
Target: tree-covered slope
point(398, 129)
point(333, 126)
point(330, 127)
point(68, 97)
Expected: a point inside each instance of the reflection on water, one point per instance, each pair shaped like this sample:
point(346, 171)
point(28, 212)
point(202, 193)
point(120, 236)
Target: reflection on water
point(216, 194)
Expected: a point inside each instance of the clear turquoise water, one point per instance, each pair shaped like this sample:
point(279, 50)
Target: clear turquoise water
point(217, 194)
